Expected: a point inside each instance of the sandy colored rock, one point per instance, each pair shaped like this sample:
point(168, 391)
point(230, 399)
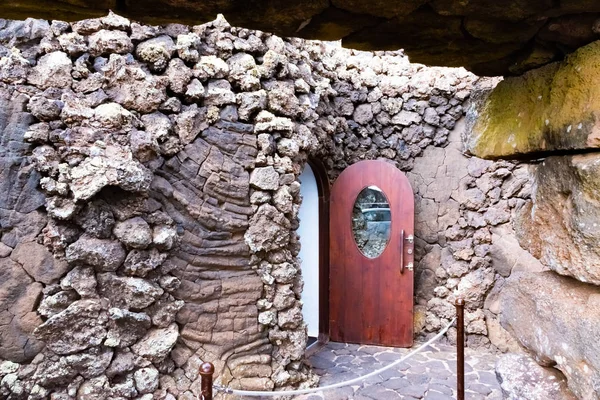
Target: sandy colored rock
point(542, 310)
point(521, 377)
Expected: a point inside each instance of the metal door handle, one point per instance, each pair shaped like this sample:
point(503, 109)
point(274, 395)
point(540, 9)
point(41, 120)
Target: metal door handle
point(401, 251)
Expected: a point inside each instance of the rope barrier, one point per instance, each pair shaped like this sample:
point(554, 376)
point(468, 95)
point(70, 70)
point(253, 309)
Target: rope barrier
point(253, 393)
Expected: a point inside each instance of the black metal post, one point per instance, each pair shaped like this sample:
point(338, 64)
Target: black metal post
point(460, 348)
point(206, 384)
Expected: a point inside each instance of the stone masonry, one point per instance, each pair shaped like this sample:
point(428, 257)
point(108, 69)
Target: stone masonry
point(150, 200)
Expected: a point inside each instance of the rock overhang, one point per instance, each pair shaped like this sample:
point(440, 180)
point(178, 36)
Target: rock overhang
point(484, 36)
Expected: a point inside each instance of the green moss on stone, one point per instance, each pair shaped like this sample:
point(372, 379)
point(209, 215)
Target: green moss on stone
point(551, 108)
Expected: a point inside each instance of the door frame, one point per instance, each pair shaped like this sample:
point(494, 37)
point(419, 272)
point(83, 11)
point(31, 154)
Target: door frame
point(323, 189)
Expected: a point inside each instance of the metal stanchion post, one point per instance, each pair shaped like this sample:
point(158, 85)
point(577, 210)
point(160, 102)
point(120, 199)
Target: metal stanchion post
point(460, 348)
point(206, 371)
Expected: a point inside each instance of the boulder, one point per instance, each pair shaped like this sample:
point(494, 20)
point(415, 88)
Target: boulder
point(549, 109)
point(521, 377)
point(508, 256)
point(557, 319)
point(560, 226)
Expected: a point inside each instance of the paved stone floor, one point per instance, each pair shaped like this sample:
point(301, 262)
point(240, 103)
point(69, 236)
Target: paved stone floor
point(428, 375)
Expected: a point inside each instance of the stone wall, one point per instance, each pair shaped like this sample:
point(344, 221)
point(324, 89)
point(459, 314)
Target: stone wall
point(551, 121)
point(150, 200)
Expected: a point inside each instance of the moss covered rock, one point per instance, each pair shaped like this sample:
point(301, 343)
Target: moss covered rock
point(556, 107)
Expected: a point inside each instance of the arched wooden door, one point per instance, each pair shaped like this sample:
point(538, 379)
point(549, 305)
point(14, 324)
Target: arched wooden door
point(371, 297)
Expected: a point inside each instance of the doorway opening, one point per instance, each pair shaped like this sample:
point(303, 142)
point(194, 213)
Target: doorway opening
point(314, 253)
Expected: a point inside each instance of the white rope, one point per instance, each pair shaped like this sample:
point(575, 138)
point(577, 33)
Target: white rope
point(253, 393)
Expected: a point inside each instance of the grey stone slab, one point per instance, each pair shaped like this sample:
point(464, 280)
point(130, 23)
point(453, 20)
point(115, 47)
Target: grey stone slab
point(396, 383)
point(479, 388)
point(416, 391)
point(433, 395)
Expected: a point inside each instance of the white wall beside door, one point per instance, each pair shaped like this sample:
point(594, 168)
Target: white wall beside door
point(309, 253)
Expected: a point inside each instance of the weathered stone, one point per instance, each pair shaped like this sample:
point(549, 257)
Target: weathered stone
point(265, 178)
point(79, 327)
point(250, 103)
point(164, 237)
point(125, 327)
point(134, 233)
point(156, 52)
point(39, 262)
point(126, 292)
point(96, 219)
point(209, 67)
point(52, 70)
point(111, 167)
point(103, 254)
point(141, 262)
point(556, 319)
point(561, 230)
point(522, 378)
point(157, 343)
point(528, 114)
point(109, 42)
point(82, 280)
point(146, 380)
point(18, 296)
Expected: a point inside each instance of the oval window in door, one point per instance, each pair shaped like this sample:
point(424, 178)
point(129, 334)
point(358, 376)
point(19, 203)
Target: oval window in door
point(371, 221)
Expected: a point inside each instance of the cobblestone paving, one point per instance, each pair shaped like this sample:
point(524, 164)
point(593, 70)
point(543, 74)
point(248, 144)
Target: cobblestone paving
point(429, 375)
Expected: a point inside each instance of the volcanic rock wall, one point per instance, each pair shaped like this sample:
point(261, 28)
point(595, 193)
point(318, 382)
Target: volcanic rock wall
point(552, 121)
point(150, 200)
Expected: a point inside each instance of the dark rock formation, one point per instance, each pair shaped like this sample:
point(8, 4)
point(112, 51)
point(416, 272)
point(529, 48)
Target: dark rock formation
point(486, 37)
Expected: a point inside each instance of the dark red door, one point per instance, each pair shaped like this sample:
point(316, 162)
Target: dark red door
point(371, 287)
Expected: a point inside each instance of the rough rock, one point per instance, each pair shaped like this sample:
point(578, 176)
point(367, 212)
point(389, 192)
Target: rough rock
point(52, 70)
point(528, 114)
point(269, 229)
point(493, 40)
point(79, 327)
point(134, 233)
point(109, 42)
point(103, 254)
point(18, 296)
point(146, 380)
point(126, 292)
point(157, 343)
point(559, 226)
point(521, 377)
point(156, 52)
point(125, 327)
point(265, 178)
point(556, 319)
point(39, 262)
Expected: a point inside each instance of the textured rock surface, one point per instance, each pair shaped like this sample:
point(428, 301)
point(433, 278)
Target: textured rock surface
point(484, 36)
point(557, 319)
point(521, 377)
point(164, 182)
point(548, 109)
point(560, 226)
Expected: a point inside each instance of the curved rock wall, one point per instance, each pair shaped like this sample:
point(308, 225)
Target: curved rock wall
point(151, 199)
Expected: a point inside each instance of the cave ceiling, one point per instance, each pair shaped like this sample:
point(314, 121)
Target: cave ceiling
point(488, 37)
